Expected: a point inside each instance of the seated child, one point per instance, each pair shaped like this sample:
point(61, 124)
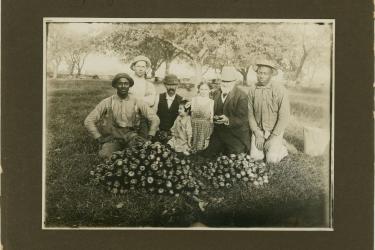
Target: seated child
point(182, 130)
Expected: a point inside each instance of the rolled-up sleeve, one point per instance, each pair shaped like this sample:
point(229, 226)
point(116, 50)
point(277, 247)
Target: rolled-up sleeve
point(150, 115)
point(94, 117)
point(283, 114)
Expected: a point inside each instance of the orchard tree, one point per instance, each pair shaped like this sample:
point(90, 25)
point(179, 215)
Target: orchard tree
point(193, 41)
point(129, 41)
point(55, 47)
point(79, 46)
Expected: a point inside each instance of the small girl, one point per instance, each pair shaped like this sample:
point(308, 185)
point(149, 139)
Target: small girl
point(181, 129)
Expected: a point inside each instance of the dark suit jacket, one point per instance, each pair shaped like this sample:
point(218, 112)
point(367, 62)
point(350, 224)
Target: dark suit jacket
point(236, 109)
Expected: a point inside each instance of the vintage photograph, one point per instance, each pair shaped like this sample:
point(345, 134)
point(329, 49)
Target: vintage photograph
point(188, 124)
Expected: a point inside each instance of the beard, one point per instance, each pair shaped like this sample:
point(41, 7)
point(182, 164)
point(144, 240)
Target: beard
point(171, 91)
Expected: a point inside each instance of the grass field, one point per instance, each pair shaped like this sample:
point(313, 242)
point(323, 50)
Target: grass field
point(297, 195)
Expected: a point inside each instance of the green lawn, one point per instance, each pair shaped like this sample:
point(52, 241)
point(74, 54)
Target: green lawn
point(297, 195)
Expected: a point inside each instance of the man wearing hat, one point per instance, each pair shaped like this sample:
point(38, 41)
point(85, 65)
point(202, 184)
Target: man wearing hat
point(120, 117)
point(268, 115)
point(167, 106)
point(231, 129)
point(142, 88)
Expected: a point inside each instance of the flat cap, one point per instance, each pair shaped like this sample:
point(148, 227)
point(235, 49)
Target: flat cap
point(122, 75)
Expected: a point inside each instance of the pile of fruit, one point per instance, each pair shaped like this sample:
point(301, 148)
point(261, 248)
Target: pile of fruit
point(155, 168)
point(151, 167)
point(227, 170)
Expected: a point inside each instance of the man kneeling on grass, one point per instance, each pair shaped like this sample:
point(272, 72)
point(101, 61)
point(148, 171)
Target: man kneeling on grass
point(120, 118)
point(268, 115)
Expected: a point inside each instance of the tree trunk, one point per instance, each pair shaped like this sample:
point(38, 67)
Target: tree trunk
point(244, 72)
point(79, 69)
point(167, 66)
point(300, 66)
point(153, 72)
point(71, 69)
point(244, 79)
point(198, 73)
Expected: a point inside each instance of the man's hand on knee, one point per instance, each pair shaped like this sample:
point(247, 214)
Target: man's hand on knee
point(259, 140)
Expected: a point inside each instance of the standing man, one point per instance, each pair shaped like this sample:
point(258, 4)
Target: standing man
point(268, 115)
point(231, 129)
point(142, 88)
point(167, 103)
point(120, 117)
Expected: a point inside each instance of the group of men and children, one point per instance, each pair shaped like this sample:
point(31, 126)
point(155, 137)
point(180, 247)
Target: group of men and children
point(226, 120)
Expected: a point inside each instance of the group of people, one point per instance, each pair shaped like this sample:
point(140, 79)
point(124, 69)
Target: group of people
point(226, 120)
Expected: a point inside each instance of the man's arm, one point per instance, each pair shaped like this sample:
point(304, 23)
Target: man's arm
point(251, 116)
point(150, 94)
point(240, 118)
point(156, 105)
point(94, 117)
point(150, 115)
point(283, 114)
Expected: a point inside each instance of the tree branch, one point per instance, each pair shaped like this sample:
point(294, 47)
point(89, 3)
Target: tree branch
point(182, 50)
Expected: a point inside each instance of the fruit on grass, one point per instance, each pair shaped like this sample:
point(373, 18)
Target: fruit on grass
point(154, 167)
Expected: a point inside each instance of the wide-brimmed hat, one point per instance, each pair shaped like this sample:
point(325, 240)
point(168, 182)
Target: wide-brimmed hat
point(171, 80)
point(140, 58)
point(228, 74)
point(267, 63)
point(122, 75)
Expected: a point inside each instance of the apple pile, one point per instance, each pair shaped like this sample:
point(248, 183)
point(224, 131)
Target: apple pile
point(151, 167)
point(228, 170)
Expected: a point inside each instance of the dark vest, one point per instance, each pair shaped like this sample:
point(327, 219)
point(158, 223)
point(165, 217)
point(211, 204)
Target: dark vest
point(167, 116)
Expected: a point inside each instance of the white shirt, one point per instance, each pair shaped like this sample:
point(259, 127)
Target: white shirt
point(170, 99)
point(227, 90)
point(139, 87)
point(223, 97)
point(143, 90)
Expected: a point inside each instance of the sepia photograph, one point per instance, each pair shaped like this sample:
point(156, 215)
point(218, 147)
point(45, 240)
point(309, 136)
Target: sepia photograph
point(206, 124)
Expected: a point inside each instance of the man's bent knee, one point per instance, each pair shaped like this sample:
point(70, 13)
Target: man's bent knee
point(108, 148)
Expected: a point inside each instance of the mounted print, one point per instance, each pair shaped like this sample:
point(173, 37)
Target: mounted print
point(205, 124)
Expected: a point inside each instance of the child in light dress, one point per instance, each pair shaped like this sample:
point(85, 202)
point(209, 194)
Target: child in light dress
point(202, 112)
point(182, 130)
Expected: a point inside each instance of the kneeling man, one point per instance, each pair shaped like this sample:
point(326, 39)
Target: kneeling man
point(120, 116)
point(268, 115)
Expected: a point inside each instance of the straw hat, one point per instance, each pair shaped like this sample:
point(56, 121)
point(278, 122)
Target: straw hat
point(140, 58)
point(228, 74)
